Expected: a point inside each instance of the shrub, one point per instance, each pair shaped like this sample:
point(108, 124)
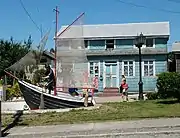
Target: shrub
point(168, 84)
point(38, 74)
point(152, 95)
point(13, 91)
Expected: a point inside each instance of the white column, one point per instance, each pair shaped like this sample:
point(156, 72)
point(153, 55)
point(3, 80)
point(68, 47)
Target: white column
point(117, 74)
point(104, 75)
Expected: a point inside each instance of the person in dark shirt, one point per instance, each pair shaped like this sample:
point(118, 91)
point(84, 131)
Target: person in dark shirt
point(50, 77)
point(73, 91)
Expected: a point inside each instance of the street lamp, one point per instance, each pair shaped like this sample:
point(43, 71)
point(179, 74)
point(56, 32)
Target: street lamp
point(139, 41)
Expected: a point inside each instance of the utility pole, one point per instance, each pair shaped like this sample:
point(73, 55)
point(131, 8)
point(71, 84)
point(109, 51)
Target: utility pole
point(1, 91)
point(57, 12)
point(56, 30)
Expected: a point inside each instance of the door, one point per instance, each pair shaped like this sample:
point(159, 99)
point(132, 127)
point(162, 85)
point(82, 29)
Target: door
point(111, 75)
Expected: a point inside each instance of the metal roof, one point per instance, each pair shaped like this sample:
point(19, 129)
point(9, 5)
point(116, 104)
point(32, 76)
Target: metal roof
point(176, 47)
point(117, 30)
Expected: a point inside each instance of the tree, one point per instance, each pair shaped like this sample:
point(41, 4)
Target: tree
point(28, 43)
point(11, 52)
point(170, 56)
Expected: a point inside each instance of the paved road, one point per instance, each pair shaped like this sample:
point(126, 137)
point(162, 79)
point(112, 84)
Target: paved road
point(153, 128)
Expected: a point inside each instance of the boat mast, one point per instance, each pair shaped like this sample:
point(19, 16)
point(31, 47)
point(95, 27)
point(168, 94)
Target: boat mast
point(56, 30)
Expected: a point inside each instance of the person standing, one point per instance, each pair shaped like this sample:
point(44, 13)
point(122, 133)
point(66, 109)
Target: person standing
point(124, 88)
point(123, 80)
point(50, 78)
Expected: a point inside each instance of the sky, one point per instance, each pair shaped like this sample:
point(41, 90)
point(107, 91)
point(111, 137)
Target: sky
point(16, 23)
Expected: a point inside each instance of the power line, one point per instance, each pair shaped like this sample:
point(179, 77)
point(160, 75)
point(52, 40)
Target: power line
point(40, 29)
point(142, 6)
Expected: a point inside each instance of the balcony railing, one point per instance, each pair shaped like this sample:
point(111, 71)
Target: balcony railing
point(133, 51)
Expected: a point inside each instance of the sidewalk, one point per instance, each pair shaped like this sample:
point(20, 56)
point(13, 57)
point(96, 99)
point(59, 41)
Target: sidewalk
point(97, 129)
point(12, 107)
point(100, 100)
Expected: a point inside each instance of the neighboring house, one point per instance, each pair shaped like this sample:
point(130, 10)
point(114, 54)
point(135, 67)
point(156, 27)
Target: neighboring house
point(176, 57)
point(111, 53)
point(47, 58)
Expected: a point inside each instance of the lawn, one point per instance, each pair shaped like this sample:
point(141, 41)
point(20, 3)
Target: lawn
point(107, 112)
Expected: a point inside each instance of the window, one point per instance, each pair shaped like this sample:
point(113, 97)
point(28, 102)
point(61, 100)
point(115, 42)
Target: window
point(149, 42)
point(128, 68)
point(148, 68)
point(109, 44)
point(94, 69)
point(91, 71)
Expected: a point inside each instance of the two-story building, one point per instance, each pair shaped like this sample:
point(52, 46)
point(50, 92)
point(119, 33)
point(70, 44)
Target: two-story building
point(175, 64)
point(111, 52)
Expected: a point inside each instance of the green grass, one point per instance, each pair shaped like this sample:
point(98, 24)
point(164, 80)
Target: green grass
point(107, 112)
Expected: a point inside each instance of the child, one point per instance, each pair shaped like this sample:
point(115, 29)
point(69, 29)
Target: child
point(122, 82)
point(124, 90)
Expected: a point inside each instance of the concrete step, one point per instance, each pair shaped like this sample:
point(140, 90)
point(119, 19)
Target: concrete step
point(111, 90)
point(108, 94)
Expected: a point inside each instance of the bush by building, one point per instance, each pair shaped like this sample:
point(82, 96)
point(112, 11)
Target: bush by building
point(168, 85)
point(152, 96)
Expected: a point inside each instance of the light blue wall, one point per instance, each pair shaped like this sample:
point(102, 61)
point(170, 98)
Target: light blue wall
point(149, 82)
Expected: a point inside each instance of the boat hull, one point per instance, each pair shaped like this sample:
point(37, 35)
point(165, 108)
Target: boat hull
point(33, 99)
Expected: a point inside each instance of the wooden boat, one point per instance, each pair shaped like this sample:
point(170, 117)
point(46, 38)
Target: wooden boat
point(32, 95)
point(71, 68)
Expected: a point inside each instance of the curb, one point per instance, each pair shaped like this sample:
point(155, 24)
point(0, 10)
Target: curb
point(97, 106)
point(106, 134)
point(124, 134)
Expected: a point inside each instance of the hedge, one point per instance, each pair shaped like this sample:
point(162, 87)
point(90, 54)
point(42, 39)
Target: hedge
point(168, 85)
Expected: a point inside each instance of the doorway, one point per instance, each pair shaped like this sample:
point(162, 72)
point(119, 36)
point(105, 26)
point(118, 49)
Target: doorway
point(111, 74)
